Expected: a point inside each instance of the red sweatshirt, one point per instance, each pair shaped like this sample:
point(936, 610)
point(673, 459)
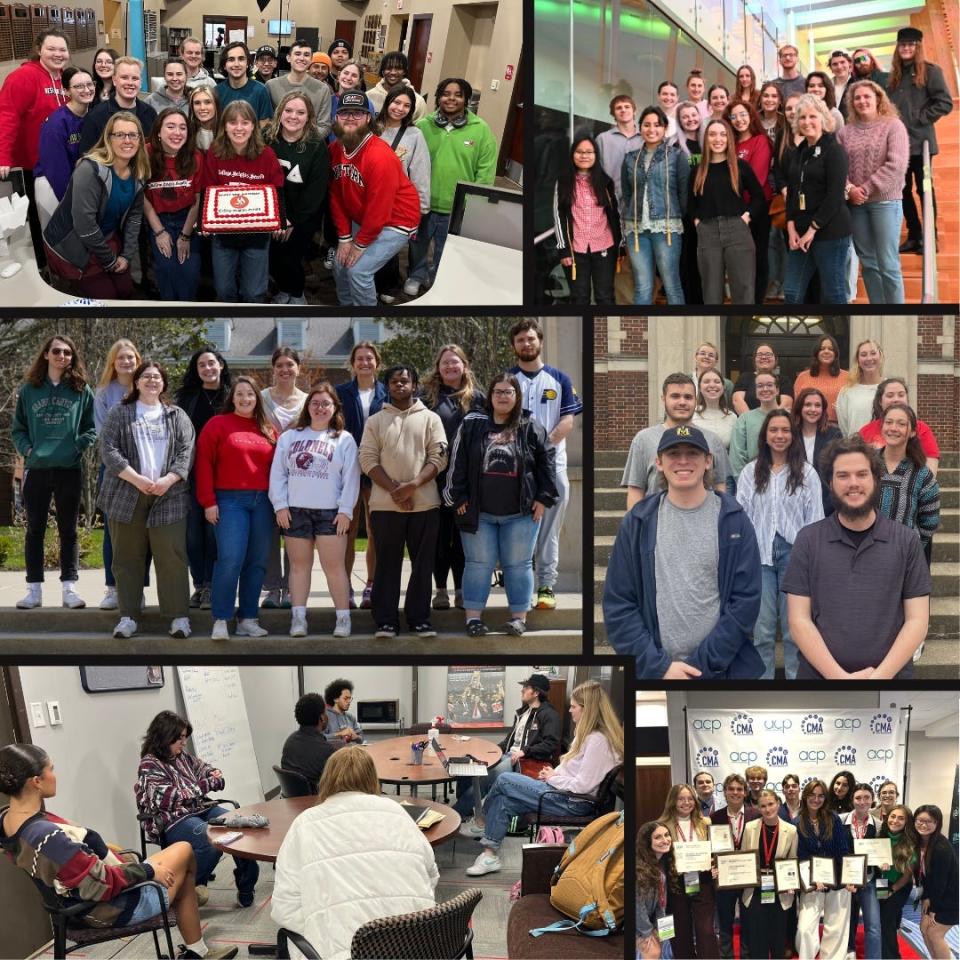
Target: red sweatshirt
point(758, 153)
point(172, 193)
point(264, 171)
point(232, 454)
point(391, 200)
point(29, 95)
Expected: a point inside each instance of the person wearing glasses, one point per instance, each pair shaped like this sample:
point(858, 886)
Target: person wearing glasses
point(94, 232)
point(919, 91)
point(865, 67)
point(936, 879)
point(791, 80)
point(171, 792)
point(104, 61)
point(60, 143)
point(863, 826)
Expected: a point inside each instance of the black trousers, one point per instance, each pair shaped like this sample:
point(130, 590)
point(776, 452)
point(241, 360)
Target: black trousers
point(766, 928)
point(286, 260)
point(595, 275)
point(689, 268)
point(891, 912)
point(910, 211)
point(64, 487)
point(449, 557)
point(393, 530)
point(760, 229)
point(726, 912)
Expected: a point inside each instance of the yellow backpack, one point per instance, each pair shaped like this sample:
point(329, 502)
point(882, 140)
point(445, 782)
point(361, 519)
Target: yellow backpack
point(588, 880)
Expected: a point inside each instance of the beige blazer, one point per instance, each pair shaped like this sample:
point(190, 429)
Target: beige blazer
point(786, 850)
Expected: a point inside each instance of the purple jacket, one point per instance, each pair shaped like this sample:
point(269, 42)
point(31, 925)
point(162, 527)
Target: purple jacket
point(59, 149)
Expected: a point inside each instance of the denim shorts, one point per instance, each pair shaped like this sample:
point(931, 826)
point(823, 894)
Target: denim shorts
point(138, 906)
point(307, 523)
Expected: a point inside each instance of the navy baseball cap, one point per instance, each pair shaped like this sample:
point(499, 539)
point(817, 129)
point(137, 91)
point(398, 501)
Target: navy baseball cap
point(683, 434)
point(353, 101)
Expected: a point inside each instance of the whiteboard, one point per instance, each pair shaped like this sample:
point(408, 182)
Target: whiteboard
point(217, 711)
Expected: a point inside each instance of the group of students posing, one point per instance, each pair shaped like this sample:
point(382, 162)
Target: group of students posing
point(461, 479)
point(771, 192)
point(815, 821)
point(107, 170)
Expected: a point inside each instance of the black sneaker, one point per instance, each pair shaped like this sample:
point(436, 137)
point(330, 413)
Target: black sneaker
point(424, 630)
point(477, 628)
point(214, 953)
point(385, 632)
point(195, 598)
point(245, 899)
point(516, 627)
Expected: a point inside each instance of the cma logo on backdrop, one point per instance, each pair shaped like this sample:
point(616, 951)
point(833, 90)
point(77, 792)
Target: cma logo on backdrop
point(878, 781)
point(845, 756)
point(881, 723)
point(742, 725)
point(778, 757)
point(812, 724)
point(708, 757)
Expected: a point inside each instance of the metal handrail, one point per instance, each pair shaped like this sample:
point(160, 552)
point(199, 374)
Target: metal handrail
point(928, 286)
point(546, 235)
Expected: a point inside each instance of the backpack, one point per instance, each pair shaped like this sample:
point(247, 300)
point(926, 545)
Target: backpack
point(588, 881)
point(550, 835)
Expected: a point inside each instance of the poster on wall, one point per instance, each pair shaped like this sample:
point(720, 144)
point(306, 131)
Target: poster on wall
point(475, 696)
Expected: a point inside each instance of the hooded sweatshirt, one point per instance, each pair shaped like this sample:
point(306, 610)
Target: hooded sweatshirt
point(54, 423)
point(403, 442)
point(467, 152)
point(59, 149)
point(29, 95)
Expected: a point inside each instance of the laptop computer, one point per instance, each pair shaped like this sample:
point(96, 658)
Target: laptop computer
point(468, 766)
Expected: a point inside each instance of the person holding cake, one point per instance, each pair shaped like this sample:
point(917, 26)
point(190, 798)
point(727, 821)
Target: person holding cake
point(238, 157)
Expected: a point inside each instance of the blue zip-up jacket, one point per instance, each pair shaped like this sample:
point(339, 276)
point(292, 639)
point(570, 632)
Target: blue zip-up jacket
point(349, 394)
point(665, 183)
point(630, 596)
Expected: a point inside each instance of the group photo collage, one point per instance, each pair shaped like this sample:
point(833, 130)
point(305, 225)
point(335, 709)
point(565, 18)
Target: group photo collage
point(405, 558)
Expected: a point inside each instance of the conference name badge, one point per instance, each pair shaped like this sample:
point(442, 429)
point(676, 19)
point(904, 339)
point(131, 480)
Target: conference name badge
point(691, 883)
point(883, 888)
point(767, 891)
point(665, 930)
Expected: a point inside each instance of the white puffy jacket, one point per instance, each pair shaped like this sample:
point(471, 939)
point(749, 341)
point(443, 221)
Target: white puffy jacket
point(353, 858)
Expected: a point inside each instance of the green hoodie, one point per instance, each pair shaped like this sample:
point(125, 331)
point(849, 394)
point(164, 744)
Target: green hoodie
point(457, 153)
point(53, 425)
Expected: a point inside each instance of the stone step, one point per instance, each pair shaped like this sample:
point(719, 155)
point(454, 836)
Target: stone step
point(58, 645)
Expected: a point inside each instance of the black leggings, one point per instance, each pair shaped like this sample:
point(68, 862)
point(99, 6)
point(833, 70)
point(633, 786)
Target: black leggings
point(64, 486)
point(286, 260)
point(891, 912)
point(449, 551)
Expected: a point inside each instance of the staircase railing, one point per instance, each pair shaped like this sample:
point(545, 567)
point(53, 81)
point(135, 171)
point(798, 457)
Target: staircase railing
point(928, 288)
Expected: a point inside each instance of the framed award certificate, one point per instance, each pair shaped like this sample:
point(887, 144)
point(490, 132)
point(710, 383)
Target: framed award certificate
point(787, 873)
point(721, 838)
point(853, 870)
point(803, 868)
point(737, 870)
point(823, 870)
point(692, 857)
point(879, 851)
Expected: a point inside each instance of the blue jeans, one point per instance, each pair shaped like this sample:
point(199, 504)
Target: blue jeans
point(464, 805)
point(828, 258)
point(241, 272)
point(509, 540)
point(876, 237)
point(514, 794)
point(193, 830)
point(356, 285)
point(655, 254)
point(176, 280)
point(201, 542)
point(433, 226)
point(244, 533)
point(772, 602)
point(865, 901)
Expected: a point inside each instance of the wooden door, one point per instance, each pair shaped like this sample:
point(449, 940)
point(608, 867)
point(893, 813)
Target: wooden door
point(237, 25)
point(345, 30)
point(653, 785)
point(419, 44)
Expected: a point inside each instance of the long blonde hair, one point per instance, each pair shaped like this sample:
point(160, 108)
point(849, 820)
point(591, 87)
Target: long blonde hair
point(102, 150)
point(598, 714)
point(349, 769)
point(670, 816)
point(433, 381)
point(109, 365)
point(309, 134)
point(853, 374)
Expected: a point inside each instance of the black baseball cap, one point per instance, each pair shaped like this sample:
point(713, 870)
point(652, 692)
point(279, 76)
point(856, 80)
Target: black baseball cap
point(538, 682)
point(340, 42)
point(266, 51)
point(683, 434)
point(353, 101)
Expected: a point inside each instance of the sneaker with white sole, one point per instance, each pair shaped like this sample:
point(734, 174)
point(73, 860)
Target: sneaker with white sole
point(109, 601)
point(470, 830)
point(180, 628)
point(203, 895)
point(483, 865)
point(297, 301)
point(33, 599)
point(387, 298)
point(220, 630)
point(342, 628)
point(298, 624)
point(271, 601)
point(385, 631)
point(125, 629)
point(194, 598)
point(412, 288)
point(441, 600)
point(250, 628)
point(206, 598)
point(71, 599)
point(281, 297)
point(331, 255)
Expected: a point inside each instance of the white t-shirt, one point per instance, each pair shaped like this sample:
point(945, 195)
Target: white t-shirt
point(150, 435)
point(808, 444)
point(366, 398)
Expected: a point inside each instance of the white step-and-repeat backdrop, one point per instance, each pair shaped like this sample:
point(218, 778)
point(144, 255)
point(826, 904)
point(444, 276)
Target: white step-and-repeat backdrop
point(807, 743)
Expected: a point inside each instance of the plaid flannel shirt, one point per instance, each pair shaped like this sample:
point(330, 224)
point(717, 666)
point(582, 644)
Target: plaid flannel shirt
point(118, 450)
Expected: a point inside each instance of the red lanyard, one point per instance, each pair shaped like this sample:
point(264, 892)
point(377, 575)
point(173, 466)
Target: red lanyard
point(737, 825)
point(680, 832)
point(857, 832)
point(662, 892)
point(769, 851)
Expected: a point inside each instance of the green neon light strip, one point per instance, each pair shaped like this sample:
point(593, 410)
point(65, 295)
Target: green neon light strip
point(649, 26)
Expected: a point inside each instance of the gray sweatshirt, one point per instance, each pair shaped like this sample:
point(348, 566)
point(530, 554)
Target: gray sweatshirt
point(414, 157)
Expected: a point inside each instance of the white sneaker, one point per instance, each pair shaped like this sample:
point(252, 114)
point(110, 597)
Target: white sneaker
point(220, 630)
point(470, 830)
point(125, 629)
point(203, 895)
point(34, 597)
point(918, 653)
point(71, 599)
point(250, 628)
point(281, 298)
point(180, 628)
point(297, 301)
point(412, 288)
point(298, 624)
point(484, 865)
point(342, 628)
point(109, 601)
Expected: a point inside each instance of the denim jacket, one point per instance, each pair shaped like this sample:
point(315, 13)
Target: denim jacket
point(666, 180)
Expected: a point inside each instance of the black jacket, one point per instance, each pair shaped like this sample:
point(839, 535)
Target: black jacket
point(820, 172)
point(940, 880)
point(921, 107)
point(539, 480)
point(563, 219)
point(541, 738)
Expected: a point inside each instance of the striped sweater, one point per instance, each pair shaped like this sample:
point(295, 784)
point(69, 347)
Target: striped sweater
point(74, 862)
point(911, 495)
point(170, 790)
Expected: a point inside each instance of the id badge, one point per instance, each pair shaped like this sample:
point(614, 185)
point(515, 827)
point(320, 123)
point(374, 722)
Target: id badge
point(802, 201)
point(691, 882)
point(883, 888)
point(665, 929)
point(767, 887)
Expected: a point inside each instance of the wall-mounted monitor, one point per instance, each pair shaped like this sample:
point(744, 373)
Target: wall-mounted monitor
point(283, 28)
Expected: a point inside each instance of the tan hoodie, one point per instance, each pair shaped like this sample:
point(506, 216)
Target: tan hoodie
point(403, 442)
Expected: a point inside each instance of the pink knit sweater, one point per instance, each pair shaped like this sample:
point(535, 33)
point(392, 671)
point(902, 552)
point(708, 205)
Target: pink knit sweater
point(878, 153)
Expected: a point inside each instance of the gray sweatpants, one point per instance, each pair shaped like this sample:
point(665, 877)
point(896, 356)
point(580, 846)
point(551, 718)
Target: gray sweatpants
point(547, 554)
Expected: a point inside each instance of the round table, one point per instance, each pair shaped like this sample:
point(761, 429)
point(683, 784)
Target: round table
point(392, 758)
point(263, 843)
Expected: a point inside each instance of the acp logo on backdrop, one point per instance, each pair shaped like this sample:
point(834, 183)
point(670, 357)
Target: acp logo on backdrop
point(778, 757)
point(710, 724)
point(742, 725)
point(777, 726)
point(845, 756)
point(847, 723)
point(881, 723)
point(708, 758)
point(812, 724)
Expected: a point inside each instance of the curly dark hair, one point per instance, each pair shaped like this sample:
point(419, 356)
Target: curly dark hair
point(854, 444)
point(846, 804)
point(165, 728)
point(400, 368)
point(75, 375)
point(648, 864)
point(192, 384)
point(309, 709)
point(465, 89)
point(334, 688)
